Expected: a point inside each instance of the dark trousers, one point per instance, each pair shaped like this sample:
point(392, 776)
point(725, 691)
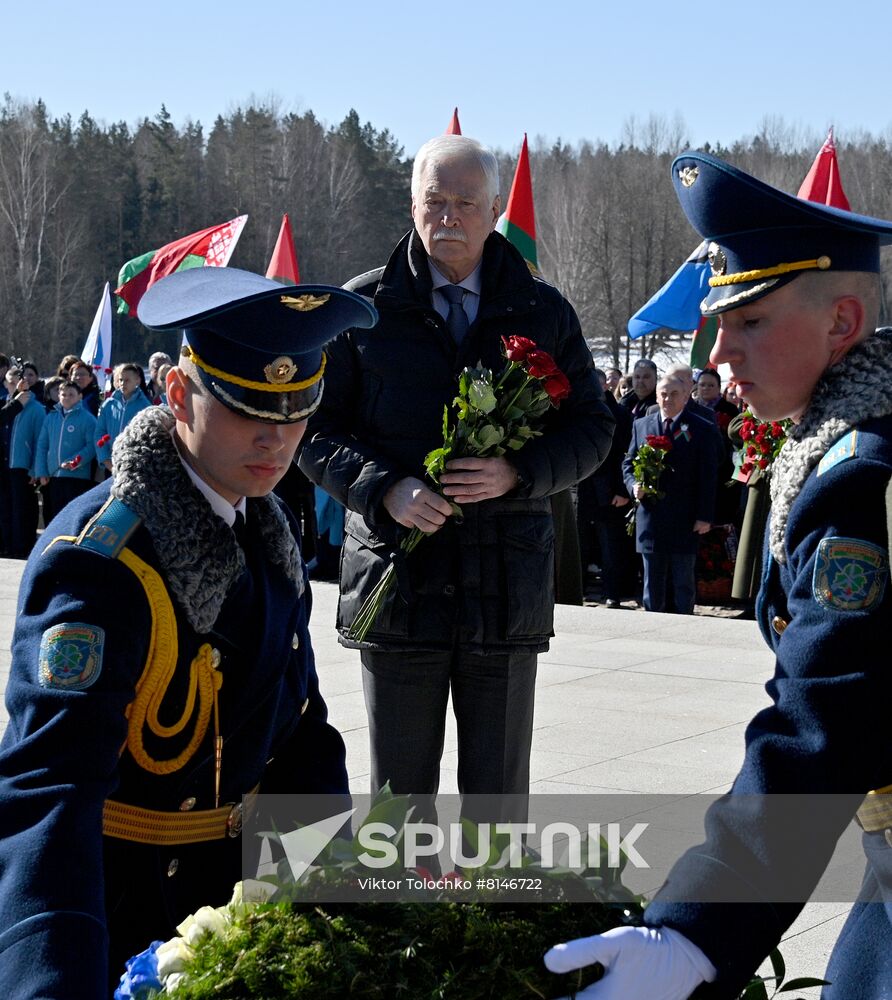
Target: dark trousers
point(406, 695)
point(617, 552)
point(659, 569)
point(5, 509)
point(24, 511)
point(61, 491)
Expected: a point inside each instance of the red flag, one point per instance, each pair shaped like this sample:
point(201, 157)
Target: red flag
point(283, 263)
point(211, 247)
point(822, 182)
point(454, 127)
point(518, 222)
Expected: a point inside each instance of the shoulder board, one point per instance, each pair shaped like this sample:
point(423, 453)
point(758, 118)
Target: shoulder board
point(110, 528)
point(844, 449)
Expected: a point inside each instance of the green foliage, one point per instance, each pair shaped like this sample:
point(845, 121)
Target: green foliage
point(380, 950)
point(758, 987)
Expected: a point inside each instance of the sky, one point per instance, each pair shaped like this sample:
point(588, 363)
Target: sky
point(554, 69)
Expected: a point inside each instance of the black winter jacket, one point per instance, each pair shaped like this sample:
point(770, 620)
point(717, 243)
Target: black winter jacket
point(489, 581)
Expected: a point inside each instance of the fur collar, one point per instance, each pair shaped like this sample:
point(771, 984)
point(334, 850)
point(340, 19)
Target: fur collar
point(848, 394)
point(197, 552)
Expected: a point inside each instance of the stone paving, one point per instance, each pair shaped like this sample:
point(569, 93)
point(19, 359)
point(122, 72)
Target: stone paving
point(626, 701)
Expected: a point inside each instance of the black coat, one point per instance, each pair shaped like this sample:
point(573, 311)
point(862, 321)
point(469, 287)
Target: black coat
point(488, 580)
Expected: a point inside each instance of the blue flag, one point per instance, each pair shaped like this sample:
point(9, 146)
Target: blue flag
point(677, 304)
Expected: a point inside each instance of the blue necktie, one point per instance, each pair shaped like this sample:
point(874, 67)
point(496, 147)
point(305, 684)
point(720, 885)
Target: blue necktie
point(457, 319)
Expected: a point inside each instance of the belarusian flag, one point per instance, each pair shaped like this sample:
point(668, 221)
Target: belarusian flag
point(283, 263)
point(704, 341)
point(518, 222)
point(454, 128)
point(210, 248)
point(822, 183)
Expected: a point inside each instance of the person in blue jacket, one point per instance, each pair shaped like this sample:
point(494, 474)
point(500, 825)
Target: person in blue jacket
point(66, 449)
point(161, 661)
point(118, 410)
point(796, 288)
point(24, 436)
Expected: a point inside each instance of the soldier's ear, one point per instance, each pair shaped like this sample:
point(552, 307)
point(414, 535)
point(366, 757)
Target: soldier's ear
point(848, 326)
point(179, 388)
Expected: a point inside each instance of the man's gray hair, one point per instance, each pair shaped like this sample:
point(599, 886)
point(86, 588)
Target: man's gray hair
point(457, 147)
point(684, 373)
point(159, 358)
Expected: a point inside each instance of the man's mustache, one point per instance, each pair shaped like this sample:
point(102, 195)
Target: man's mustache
point(451, 234)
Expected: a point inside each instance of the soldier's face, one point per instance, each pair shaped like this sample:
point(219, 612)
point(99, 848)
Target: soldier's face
point(453, 214)
point(237, 457)
point(777, 348)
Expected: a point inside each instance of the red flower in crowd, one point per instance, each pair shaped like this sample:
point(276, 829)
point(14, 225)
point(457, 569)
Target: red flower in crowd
point(540, 364)
point(517, 348)
point(659, 441)
point(557, 386)
point(104, 440)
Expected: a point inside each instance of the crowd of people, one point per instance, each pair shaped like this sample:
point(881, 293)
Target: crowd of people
point(624, 537)
point(56, 435)
point(174, 591)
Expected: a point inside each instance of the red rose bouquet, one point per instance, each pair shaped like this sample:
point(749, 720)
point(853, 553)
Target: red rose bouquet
point(648, 466)
point(492, 417)
point(760, 444)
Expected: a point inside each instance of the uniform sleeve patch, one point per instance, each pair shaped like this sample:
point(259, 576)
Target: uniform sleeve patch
point(844, 449)
point(850, 574)
point(71, 656)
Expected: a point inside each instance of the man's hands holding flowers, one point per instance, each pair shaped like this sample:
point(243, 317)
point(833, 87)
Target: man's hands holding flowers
point(411, 504)
point(470, 480)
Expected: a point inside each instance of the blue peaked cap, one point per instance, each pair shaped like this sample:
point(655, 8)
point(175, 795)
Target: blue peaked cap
point(761, 238)
point(256, 343)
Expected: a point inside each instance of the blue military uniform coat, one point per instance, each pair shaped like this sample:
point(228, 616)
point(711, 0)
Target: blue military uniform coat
point(825, 609)
point(69, 896)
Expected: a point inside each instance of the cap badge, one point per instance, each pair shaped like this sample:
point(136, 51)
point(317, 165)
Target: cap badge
point(688, 175)
point(280, 371)
point(718, 262)
point(304, 303)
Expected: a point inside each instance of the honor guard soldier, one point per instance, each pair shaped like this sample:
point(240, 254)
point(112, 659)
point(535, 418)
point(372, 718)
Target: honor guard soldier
point(161, 662)
point(796, 288)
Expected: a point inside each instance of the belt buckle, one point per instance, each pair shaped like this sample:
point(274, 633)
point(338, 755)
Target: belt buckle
point(234, 821)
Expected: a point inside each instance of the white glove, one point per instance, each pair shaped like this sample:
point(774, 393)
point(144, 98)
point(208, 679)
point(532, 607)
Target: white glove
point(640, 963)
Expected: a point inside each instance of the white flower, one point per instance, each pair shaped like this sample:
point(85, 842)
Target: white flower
point(205, 920)
point(172, 957)
point(250, 891)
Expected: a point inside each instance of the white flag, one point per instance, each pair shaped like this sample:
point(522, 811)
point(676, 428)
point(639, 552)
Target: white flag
point(97, 350)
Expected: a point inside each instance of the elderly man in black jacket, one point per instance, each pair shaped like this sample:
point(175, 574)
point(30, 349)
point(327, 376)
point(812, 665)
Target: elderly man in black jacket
point(474, 604)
